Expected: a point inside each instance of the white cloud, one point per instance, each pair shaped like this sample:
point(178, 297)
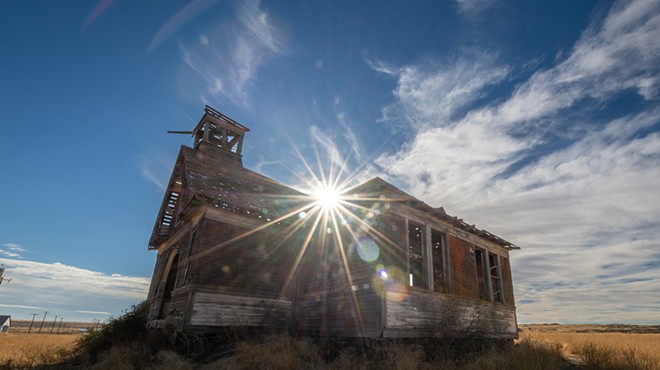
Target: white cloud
point(65, 290)
point(585, 212)
point(458, 83)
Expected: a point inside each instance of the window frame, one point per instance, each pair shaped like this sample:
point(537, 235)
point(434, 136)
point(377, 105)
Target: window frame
point(444, 261)
point(490, 294)
point(429, 283)
point(424, 256)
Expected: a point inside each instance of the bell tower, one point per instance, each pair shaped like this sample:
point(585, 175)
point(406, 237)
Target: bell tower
point(217, 131)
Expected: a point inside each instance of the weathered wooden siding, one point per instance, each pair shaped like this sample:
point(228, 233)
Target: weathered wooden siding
point(173, 310)
point(219, 310)
point(334, 313)
point(335, 300)
point(259, 263)
point(161, 260)
point(414, 313)
point(228, 275)
point(507, 282)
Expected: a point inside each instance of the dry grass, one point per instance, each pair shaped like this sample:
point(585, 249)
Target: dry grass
point(606, 350)
point(32, 350)
point(533, 351)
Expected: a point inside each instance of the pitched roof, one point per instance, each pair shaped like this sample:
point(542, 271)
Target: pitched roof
point(218, 179)
point(378, 188)
point(235, 187)
point(5, 320)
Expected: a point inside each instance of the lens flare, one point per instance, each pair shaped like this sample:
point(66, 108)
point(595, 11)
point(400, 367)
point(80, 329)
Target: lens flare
point(327, 197)
point(367, 249)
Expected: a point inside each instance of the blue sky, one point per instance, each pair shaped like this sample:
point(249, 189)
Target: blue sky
point(538, 121)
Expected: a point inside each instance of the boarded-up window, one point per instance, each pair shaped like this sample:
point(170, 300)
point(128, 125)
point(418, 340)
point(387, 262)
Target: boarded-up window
point(416, 256)
point(438, 249)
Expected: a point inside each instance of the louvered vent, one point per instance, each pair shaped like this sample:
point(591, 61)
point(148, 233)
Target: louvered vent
point(167, 219)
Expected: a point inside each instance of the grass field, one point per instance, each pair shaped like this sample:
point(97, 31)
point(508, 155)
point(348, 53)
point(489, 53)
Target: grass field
point(19, 350)
point(605, 350)
point(536, 350)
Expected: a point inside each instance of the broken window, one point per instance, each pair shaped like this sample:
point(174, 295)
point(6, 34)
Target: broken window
point(438, 244)
point(495, 277)
point(489, 276)
point(416, 256)
point(481, 274)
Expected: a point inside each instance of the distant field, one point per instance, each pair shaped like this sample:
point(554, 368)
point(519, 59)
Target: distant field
point(27, 350)
point(591, 328)
point(66, 327)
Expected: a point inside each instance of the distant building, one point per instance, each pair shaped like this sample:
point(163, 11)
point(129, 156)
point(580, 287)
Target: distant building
point(5, 323)
point(236, 248)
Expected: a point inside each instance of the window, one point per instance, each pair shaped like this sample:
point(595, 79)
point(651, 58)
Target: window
point(481, 276)
point(489, 276)
point(437, 250)
point(416, 256)
point(423, 242)
point(495, 277)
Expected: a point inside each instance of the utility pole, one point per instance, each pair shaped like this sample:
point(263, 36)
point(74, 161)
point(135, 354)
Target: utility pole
point(2, 275)
point(60, 326)
point(42, 321)
point(32, 322)
point(53, 327)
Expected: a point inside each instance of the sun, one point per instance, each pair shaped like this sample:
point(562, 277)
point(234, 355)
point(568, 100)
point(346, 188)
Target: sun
point(327, 197)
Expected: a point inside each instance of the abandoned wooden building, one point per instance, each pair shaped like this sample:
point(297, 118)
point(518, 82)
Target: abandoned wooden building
point(236, 248)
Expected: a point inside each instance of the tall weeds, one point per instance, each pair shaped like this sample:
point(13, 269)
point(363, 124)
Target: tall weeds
point(594, 356)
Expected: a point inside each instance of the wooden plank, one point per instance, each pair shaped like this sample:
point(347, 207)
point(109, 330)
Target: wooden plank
point(233, 218)
point(226, 310)
point(447, 315)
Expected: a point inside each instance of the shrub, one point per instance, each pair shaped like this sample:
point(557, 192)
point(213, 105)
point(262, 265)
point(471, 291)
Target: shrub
point(131, 326)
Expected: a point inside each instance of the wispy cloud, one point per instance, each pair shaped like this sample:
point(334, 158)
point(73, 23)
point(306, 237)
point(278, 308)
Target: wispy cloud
point(545, 169)
point(459, 82)
point(337, 157)
point(19, 306)
point(155, 166)
point(180, 19)
point(11, 250)
point(471, 7)
point(95, 312)
point(230, 59)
